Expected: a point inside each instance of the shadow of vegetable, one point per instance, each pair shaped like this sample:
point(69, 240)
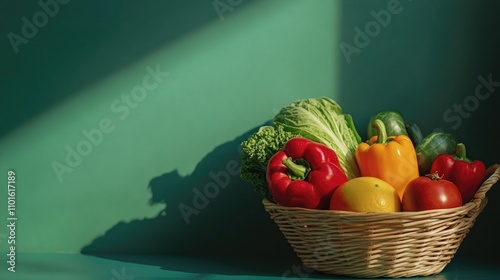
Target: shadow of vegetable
point(209, 214)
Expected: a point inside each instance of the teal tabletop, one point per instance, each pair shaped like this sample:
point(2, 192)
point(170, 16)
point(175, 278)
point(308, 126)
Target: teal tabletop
point(154, 267)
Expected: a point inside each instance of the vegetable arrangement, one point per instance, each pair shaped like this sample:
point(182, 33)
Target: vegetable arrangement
point(312, 149)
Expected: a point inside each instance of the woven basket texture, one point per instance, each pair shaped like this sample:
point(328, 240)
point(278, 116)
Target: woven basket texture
point(370, 245)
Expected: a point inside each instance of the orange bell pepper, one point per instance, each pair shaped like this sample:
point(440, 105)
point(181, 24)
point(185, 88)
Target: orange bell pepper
point(390, 158)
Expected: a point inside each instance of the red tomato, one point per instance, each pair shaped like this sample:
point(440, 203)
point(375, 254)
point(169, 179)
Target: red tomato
point(430, 192)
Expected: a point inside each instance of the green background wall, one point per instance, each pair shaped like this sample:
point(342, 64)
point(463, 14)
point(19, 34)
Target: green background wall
point(114, 115)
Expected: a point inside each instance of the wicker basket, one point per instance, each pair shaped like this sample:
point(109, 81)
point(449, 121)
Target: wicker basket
point(369, 245)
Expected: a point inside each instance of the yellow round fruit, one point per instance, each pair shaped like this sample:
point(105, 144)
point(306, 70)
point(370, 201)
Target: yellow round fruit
point(366, 194)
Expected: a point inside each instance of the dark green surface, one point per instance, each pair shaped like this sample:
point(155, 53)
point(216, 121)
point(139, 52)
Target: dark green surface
point(150, 267)
point(228, 74)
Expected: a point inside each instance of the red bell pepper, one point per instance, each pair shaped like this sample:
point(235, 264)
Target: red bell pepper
point(304, 174)
point(465, 173)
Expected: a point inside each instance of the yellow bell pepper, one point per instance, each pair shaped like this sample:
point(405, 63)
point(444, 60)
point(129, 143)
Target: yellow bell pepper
point(390, 158)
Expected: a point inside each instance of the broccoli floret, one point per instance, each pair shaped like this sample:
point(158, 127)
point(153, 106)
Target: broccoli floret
point(256, 152)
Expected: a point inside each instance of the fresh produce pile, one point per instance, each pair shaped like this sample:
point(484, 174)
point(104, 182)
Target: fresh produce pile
point(312, 156)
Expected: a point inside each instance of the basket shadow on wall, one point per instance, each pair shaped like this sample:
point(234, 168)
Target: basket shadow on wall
point(231, 226)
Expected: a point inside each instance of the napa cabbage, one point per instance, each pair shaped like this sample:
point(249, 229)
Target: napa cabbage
point(322, 120)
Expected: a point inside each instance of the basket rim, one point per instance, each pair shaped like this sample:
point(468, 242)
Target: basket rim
point(470, 204)
point(492, 177)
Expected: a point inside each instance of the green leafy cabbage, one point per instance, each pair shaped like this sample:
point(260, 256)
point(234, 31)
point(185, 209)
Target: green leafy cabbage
point(321, 120)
